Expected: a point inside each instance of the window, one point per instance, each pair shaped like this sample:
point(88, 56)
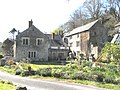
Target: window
point(77, 43)
point(60, 55)
point(78, 53)
point(39, 41)
point(31, 54)
point(25, 41)
point(70, 37)
point(77, 35)
point(71, 44)
point(94, 33)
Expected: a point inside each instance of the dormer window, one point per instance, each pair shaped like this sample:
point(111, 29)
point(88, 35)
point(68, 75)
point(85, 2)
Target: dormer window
point(39, 41)
point(25, 40)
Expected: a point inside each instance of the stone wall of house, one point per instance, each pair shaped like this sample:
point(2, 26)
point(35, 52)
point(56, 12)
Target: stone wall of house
point(85, 43)
point(98, 37)
point(22, 51)
point(57, 54)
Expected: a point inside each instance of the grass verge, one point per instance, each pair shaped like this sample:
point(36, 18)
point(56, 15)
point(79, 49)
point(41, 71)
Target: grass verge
point(84, 82)
point(4, 85)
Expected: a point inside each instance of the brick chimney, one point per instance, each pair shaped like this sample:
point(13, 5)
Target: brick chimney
point(30, 23)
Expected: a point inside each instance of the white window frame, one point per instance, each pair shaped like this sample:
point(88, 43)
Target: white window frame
point(70, 37)
point(25, 42)
point(39, 41)
point(71, 44)
point(77, 43)
point(78, 35)
point(32, 54)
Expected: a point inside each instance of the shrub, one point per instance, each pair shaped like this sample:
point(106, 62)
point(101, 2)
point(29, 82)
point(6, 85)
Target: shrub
point(96, 76)
point(44, 72)
point(66, 75)
point(57, 73)
point(1, 56)
point(109, 79)
point(78, 75)
point(18, 72)
point(25, 73)
point(2, 81)
point(10, 62)
point(86, 63)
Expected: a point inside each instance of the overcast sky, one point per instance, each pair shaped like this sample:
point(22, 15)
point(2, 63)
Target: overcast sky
point(47, 15)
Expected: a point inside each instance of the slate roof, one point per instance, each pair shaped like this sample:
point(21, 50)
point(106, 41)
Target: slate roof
point(82, 28)
point(34, 32)
point(31, 31)
point(56, 42)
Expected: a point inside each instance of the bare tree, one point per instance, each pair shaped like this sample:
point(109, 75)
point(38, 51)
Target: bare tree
point(114, 8)
point(94, 8)
point(13, 32)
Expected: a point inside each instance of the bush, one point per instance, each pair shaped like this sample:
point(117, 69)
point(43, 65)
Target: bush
point(57, 73)
point(1, 56)
point(78, 75)
point(2, 81)
point(109, 79)
point(44, 72)
point(18, 72)
point(28, 73)
point(86, 63)
point(25, 73)
point(66, 75)
point(96, 76)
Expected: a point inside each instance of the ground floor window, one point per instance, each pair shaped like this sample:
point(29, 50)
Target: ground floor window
point(61, 55)
point(31, 54)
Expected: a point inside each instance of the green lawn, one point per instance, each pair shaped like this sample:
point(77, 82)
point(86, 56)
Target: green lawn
point(6, 85)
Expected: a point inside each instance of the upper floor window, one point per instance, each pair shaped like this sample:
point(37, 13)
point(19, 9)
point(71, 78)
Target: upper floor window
point(70, 37)
point(71, 44)
point(77, 35)
point(39, 41)
point(77, 43)
point(25, 41)
point(94, 33)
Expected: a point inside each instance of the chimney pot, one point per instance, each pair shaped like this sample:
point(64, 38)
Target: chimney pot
point(30, 23)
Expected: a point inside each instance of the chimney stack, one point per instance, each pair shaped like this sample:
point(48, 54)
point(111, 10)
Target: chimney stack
point(30, 23)
point(53, 36)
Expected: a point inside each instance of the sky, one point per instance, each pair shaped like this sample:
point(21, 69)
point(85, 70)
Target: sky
point(47, 15)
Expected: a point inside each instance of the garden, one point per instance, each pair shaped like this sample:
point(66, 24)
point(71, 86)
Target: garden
point(105, 72)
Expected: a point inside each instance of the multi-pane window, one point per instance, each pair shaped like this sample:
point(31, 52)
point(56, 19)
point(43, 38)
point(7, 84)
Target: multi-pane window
point(25, 41)
point(39, 41)
point(31, 54)
point(70, 37)
point(77, 35)
point(77, 43)
point(71, 44)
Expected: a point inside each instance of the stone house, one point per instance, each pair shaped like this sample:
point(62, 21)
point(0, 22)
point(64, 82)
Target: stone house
point(33, 45)
point(87, 39)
